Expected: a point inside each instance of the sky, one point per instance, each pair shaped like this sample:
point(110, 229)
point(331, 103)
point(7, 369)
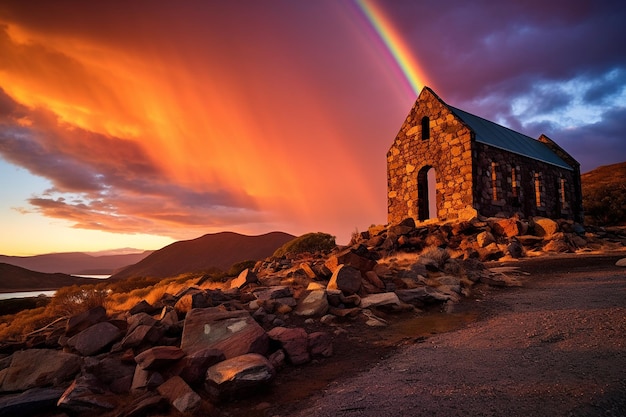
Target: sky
point(136, 124)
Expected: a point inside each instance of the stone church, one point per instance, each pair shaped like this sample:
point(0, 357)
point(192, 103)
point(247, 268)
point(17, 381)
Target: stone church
point(448, 164)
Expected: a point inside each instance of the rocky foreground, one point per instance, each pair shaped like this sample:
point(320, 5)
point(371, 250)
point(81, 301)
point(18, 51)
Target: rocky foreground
point(193, 351)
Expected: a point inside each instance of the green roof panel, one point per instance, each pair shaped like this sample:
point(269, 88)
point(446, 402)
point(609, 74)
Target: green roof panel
point(493, 134)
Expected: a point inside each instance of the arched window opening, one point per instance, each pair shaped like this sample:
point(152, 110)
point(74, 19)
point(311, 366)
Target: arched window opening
point(425, 128)
point(427, 193)
point(494, 181)
point(515, 182)
point(562, 193)
point(538, 201)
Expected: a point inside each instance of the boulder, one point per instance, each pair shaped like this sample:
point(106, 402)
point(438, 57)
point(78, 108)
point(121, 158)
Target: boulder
point(294, 342)
point(148, 404)
point(233, 332)
point(373, 279)
point(80, 322)
point(246, 277)
point(515, 250)
point(40, 368)
point(314, 304)
point(308, 271)
point(35, 401)
point(545, 227)
point(422, 295)
point(347, 279)
point(500, 280)
point(94, 339)
point(484, 238)
point(85, 394)
point(194, 298)
point(144, 379)
point(506, 227)
point(142, 307)
point(557, 245)
point(384, 299)
point(192, 368)
point(111, 371)
point(168, 317)
point(143, 334)
point(359, 258)
point(239, 376)
point(140, 319)
point(273, 293)
point(320, 345)
point(180, 395)
point(158, 357)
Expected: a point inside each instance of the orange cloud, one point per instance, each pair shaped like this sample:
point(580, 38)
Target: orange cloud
point(167, 140)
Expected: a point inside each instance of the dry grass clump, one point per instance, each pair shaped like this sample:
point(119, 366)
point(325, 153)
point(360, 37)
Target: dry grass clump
point(120, 301)
point(13, 326)
point(435, 255)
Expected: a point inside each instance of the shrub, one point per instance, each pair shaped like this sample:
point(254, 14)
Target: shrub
point(237, 268)
point(436, 255)
point(310, 242)
point(73, 300)
point(606, 205)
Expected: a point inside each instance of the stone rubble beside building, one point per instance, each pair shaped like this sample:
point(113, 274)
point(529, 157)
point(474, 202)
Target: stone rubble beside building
point(194, 350)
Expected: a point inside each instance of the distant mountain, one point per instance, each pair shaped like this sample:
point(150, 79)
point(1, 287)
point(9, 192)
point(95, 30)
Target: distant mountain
point(13, 279)
point(77, 263)
point(219, 250)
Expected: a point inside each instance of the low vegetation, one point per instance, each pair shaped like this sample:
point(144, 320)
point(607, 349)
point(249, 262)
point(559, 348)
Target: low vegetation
point(310, 242)
point(115, 296)
point(604, 195)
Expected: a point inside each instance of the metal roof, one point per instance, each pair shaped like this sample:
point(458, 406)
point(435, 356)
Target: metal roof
point(493, 134)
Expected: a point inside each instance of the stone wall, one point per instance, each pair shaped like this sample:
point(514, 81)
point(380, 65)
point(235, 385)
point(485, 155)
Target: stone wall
point(519, 192)
point(447, 150)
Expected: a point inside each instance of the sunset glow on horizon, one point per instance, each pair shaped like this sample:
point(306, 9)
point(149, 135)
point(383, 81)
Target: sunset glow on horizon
point(170, 121)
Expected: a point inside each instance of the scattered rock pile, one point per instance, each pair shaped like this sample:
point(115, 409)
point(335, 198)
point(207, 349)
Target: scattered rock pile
point(192, 350)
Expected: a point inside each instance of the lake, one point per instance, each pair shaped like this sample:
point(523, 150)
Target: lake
point(24, 294)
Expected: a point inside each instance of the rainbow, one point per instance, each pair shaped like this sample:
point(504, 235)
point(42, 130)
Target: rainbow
point(394, 43)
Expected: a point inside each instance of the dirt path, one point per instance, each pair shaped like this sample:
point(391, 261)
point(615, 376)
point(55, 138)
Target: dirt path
point(556, 347)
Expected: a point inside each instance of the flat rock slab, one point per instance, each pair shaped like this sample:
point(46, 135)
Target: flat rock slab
point(294, 341)
point(158, 357)
point(233, 332)
point(39, 368)
point(31, 402)
point(239, 376)
point(95, 339)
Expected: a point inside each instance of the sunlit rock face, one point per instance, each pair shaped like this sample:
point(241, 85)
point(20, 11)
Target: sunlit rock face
point(239, 376)
point(233, 332)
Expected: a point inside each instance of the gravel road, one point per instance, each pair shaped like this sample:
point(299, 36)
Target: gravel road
point(556, 347)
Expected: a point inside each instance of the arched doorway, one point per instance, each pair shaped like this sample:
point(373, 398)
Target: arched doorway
point(427, 193)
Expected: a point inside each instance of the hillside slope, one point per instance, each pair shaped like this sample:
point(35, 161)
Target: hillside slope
point(219, 250)
point(604, 195)
point(13, 279)
point(614, 174)
point(74, 262)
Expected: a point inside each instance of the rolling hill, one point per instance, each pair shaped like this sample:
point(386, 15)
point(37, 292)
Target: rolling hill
point(604, 195)
point(610, 175)
point(13, 279)
point(218, 250)
point(77, 263)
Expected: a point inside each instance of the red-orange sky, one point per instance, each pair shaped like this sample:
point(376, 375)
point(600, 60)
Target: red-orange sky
point(169, 120)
